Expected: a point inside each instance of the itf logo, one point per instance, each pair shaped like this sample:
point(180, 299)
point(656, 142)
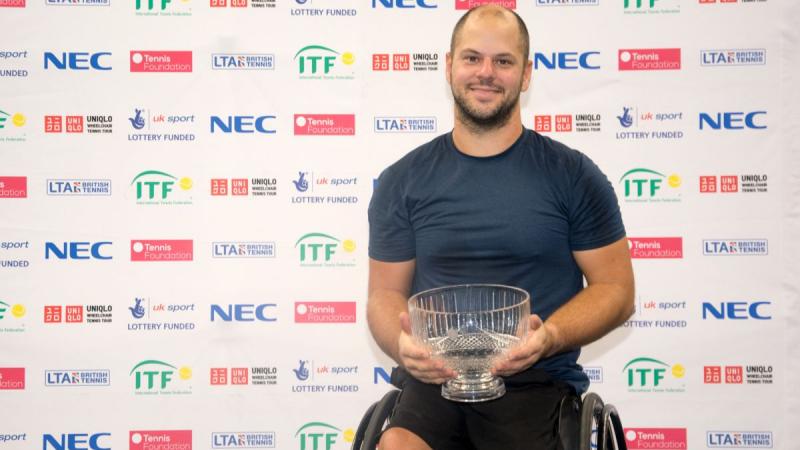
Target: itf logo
point(322, 436)
point(320, 250)
point(154, 187)
point(651, 375)
point(645, 185)
point(316, 62)
point(158, 377)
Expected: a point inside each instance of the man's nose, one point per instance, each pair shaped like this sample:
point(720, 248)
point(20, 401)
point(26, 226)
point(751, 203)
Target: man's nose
point(486, 69)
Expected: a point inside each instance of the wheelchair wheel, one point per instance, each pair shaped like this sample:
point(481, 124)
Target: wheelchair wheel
point(591, 420)
point(373, 422)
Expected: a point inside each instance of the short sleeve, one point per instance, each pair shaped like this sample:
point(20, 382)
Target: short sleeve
point(595, 218)
point(391, 237)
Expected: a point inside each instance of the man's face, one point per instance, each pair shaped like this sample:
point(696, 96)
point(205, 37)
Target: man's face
point(487, 72)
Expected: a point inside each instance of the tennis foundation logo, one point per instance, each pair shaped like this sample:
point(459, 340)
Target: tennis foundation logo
point(13, 187)
point(462, 5)
point(12, 378)
point(324, 124)
point(650, 59)
point(656, 247)
point(161, 61)
point(162, 250)
point(650, 438)
point(161, 440)
point(325, 312)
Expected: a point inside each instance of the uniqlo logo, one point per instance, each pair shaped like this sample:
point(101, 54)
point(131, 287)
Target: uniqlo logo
point(708, 184)
point(239, 375)
point(239, 186)
point(238, 3)
point(707, 1)
point(733, 374)
point(52, 314)
point(52, 124)
point(219, 3)
point(380, 61)
point(729, 183)
point(74, 124)
point(542, 124)
point(219, 186)
point(563, 122)
point(400, 62)
point(712, 374)
point(74, 314)
point(219, 376)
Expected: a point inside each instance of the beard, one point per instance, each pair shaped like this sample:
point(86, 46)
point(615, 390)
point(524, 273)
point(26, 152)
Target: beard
point(480, 121)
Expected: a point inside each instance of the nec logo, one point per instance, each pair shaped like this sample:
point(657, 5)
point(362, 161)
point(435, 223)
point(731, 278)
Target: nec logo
point(76, 61)
point(565, 60)
point(732, 120)
point(76, 250)
point(75, 441)
point(241, 124)
point(403, 4)
point(736, 310)
point(242, 313)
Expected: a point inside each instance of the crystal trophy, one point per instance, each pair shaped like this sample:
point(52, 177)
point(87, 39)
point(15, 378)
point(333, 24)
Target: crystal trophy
point(469, 326)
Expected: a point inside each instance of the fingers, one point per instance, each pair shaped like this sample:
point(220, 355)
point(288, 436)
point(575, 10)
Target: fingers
point(417, 360)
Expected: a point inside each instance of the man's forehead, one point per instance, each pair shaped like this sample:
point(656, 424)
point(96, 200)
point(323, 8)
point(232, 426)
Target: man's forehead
point(494, 30)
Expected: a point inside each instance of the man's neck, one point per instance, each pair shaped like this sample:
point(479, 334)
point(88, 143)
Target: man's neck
point(486, 143)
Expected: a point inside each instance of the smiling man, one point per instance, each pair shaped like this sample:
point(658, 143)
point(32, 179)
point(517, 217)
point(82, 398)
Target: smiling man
point(493, 202)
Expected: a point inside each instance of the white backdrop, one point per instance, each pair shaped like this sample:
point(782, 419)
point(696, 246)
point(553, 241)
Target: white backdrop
point(239, 319)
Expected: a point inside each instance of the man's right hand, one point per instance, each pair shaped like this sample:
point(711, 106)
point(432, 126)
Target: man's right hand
point(416, 359)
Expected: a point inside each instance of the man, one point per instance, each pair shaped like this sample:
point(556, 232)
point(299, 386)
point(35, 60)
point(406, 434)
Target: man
point(492, 202)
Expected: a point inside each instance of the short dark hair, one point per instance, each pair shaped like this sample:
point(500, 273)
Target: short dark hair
point(524, 37)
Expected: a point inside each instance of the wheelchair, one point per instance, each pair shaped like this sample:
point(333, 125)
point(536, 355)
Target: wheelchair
point(582, 425)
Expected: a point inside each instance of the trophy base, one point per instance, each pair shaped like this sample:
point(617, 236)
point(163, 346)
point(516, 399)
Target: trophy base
point(473, 390)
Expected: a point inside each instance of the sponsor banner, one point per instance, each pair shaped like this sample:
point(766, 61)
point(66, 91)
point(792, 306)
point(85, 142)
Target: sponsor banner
point(324, 124)
point(76, 377)
point(652, 6)
point(407, 124)
point(160, 61)
point(161, 440)
point(733, 57)
point(12, 3)
point(324, 312)
point(8, 122)
point(154, 187)
point(739, 439)
point(13, 263)
point(243, 249)
point(649, 375)
point(10, 315)
point(244, 376)
point(731, 184)
point(655, 438)
point(312, 433)
point(12, 378)
point(14, 57)
point(321, 188)
point(318, 62)
point(567, 2)
point(243, 187)
point(650, 59)
point(735, 247)
point(78, 314)
point(90, 124)
point(671, 313)
point(78, 2)
point(595, 374)
point(405, 62)
point(462, 5)
point(646, 124)
point(147, 315)
point(565, 123)
point(324, 250)
point(242, 61)
point(656, 247)
point(154, 377)
point(78, 187)
point(13, 187)
point(319, 377)
point(643, 185)
point(306, 8)
point(151, 126)
point(162, 250)
point(12, 437)
point(751, 374)
point(243, 439)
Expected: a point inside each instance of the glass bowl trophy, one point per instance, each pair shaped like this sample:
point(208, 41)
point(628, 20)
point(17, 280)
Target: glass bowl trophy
point(469, 326)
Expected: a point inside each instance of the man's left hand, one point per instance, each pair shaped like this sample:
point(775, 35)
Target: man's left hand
point(538, 344)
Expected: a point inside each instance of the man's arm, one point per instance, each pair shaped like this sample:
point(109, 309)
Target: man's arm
point(387, 316)
point(604, 304)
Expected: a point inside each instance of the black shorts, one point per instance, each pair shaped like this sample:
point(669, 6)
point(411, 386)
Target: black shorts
point(525, 418)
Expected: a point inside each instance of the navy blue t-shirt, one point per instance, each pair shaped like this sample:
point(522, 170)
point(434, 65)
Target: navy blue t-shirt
point(514, 218)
